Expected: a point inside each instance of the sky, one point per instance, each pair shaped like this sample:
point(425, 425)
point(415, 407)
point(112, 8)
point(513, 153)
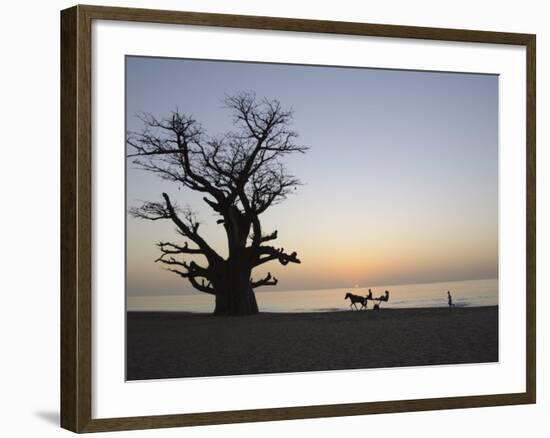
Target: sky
point(400, 184)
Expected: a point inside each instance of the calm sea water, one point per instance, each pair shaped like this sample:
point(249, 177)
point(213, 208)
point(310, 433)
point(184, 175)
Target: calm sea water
point(469, 293)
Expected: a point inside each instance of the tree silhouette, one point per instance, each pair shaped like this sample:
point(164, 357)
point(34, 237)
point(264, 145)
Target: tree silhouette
point(241, 175)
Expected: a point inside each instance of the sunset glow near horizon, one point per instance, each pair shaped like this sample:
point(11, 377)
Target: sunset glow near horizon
point(400, 184)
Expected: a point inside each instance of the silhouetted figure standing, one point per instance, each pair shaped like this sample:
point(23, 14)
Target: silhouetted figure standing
point(450, 299)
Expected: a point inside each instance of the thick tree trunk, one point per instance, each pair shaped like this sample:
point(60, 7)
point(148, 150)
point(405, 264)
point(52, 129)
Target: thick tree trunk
point(234, 294)
point(236, 302)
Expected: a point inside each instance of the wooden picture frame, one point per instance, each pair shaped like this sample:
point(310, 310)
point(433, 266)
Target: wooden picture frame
point(76, 218)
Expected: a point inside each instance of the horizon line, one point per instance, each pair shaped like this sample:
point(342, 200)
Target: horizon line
point(194, 292)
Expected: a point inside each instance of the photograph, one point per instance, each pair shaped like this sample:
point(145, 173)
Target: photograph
point(285, 218)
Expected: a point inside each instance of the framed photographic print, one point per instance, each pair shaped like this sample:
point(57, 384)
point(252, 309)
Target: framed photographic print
point(303, 218)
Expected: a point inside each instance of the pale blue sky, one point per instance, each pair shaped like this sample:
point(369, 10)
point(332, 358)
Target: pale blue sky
point(400, 183)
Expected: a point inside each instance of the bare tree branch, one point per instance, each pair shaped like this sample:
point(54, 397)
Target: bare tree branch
point(268, 280)
point(168, 248)
point(268, 237)
point(269, 253)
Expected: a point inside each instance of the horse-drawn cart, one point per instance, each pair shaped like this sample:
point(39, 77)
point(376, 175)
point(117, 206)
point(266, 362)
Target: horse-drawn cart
point(364, 300)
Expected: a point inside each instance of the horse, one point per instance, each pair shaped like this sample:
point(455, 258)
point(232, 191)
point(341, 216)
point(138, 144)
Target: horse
point(356, 299)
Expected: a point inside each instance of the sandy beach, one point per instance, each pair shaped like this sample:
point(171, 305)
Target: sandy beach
point(178, 344)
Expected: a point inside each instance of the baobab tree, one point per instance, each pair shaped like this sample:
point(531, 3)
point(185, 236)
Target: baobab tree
point(241, 174)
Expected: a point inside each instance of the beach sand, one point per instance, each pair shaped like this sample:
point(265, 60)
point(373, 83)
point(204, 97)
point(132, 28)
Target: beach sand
point(178, 344)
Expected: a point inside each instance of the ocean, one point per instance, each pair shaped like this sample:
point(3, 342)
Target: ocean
point(469, 293)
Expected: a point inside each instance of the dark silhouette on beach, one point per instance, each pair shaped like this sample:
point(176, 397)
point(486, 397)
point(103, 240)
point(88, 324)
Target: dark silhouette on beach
point(369, 295)
point(364, 300)
point(354, 299)
point(241, 175)
point(380, 299)
point(450, 299)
